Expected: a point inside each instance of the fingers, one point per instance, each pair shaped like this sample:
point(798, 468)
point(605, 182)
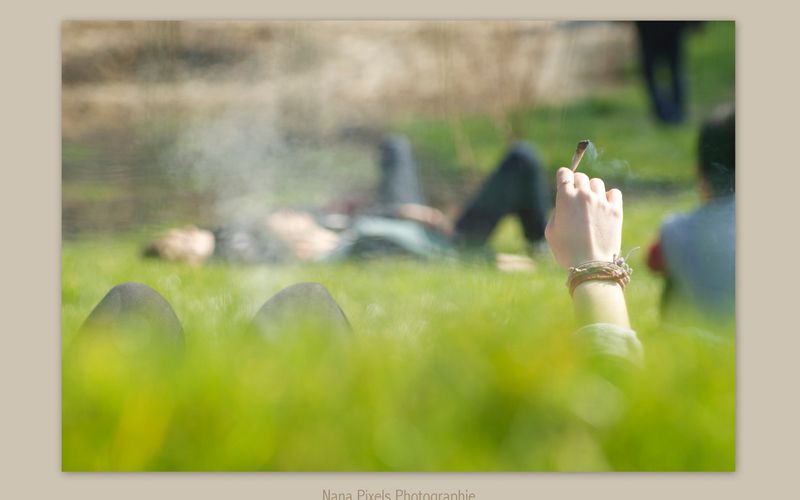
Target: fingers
point(614, 197)
point(565, 180)
point(598, 186)
point(569, 182)
point(582, 182)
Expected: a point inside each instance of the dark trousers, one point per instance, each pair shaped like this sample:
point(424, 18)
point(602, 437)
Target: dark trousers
point(661, 44)
point(516, 187)
point(398, 182)
point(140, 310)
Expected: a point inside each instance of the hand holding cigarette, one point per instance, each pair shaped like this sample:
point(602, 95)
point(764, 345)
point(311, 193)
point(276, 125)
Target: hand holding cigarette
point(586, 223)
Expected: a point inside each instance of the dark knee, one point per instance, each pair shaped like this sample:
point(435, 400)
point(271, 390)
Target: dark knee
point(302, 305)
point(132, 290)
point(135, 306)
point(395, 142)
point(395, 148)
point(315, 291)
point(523, 154)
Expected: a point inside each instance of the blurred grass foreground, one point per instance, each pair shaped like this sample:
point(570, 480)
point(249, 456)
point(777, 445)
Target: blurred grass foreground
point(452, 366)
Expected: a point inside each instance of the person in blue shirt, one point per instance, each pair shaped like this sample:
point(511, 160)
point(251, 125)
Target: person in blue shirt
point(696, 251)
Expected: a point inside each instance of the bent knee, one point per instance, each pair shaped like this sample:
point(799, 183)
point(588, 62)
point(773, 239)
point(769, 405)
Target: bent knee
point(132, 289)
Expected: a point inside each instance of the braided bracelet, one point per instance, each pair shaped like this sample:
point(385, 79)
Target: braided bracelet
point(617, 270)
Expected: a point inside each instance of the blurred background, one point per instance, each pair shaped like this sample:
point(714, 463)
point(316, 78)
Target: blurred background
point(454, 365)
point(175, 122)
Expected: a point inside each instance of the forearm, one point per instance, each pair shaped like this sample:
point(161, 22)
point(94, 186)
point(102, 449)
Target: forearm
point(605, 333)
point(600, 302)
point(585, 235)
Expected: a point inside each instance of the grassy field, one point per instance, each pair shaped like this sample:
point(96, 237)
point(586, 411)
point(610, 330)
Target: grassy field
point(452, 366)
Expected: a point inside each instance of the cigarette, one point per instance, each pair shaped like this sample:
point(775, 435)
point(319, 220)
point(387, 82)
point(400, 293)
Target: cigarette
point(576, 158)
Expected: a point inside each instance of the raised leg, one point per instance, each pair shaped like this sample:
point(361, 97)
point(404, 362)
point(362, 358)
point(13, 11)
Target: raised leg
point(517, 186)
point(398, 182)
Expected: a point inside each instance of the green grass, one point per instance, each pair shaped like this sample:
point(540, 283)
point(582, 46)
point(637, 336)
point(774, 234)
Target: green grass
point(452, 366)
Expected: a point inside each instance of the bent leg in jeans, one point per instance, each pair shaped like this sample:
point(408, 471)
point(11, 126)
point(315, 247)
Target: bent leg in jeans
point(517, 186)
point(398, 182)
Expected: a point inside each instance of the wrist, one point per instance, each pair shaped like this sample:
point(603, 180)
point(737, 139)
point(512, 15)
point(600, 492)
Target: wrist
point(597, 287)
point(581, 258)
point(614, 270)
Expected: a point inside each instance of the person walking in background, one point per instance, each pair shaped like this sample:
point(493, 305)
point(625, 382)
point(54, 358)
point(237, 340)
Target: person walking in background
point(661, 46)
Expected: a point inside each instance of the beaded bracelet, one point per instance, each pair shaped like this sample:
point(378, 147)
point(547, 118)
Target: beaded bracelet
point(617, 270)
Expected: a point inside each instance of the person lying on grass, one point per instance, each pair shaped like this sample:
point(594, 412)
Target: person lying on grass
point(399, 222)
point(585, 236)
